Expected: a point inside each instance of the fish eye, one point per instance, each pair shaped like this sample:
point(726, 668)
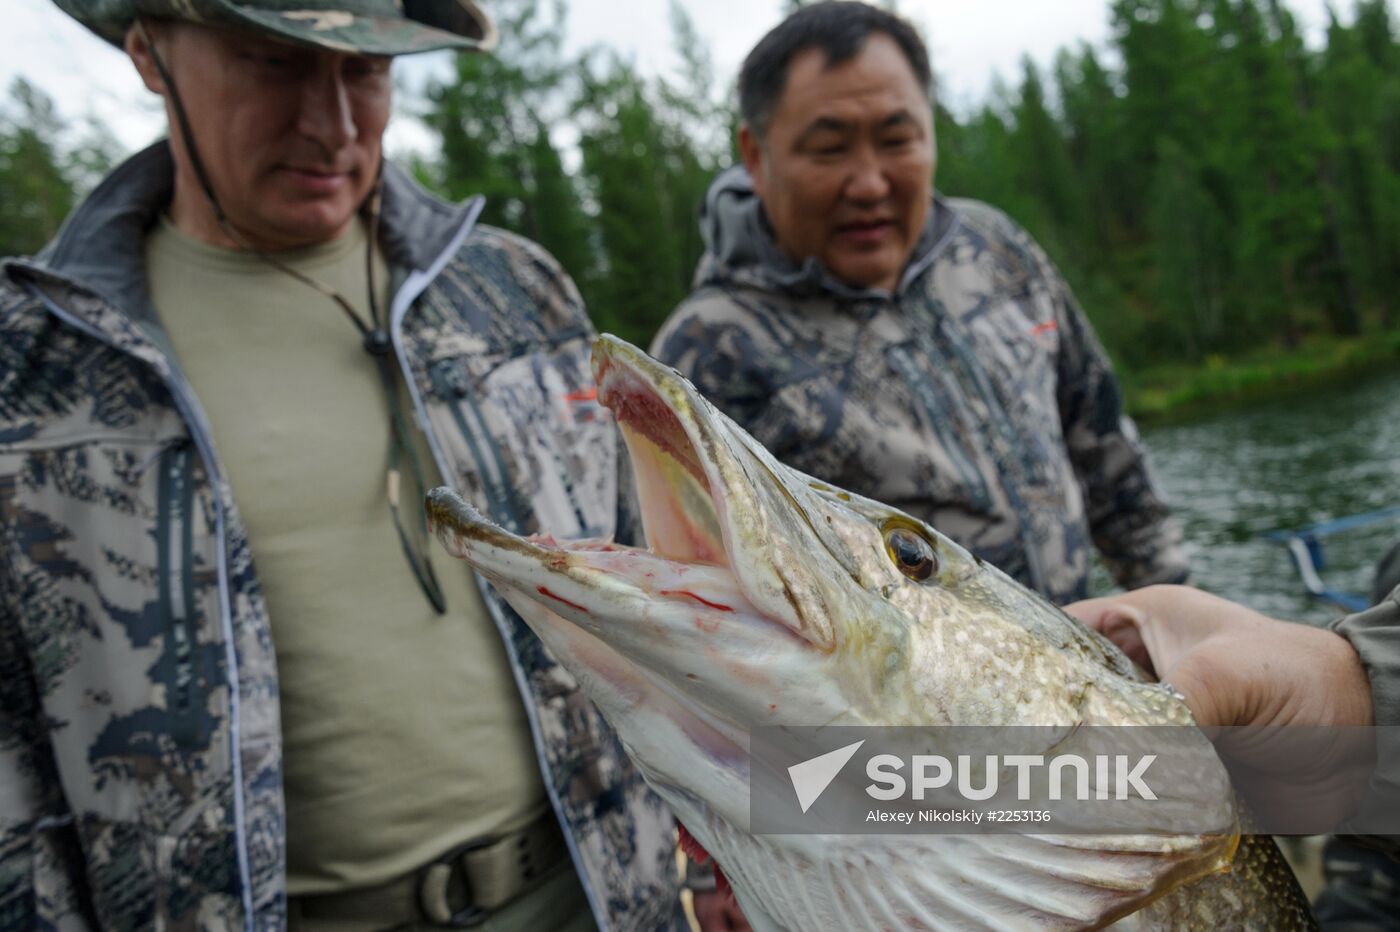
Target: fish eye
point(911, 553)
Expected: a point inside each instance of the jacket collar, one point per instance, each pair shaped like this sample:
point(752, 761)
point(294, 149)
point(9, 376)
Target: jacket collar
point(740, 246)
point(101, 246)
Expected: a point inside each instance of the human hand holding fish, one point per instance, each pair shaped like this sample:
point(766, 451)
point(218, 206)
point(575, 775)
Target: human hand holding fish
point(767, 598)
point(1209, 649)
point(1263, 681)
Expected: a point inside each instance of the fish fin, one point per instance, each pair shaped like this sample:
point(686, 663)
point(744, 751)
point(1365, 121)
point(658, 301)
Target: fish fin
point(959, 882)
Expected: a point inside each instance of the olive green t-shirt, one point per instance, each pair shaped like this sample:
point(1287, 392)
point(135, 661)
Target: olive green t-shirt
point(403, 732)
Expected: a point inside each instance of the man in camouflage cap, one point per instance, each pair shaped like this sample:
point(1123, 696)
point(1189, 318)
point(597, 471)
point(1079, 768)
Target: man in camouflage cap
point(235, 693)
point(917, 349)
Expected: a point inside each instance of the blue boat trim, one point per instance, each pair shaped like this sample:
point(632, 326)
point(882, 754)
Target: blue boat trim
point(1304, 546)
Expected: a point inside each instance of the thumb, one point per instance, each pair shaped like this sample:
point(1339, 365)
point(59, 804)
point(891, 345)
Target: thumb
point(1120, 622)
point(1175, 634)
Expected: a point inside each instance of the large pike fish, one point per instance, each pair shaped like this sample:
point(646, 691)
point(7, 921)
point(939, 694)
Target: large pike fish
point(765, 597)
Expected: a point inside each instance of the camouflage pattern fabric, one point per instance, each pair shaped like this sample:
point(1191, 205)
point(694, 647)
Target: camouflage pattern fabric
point(1361, 891)
point(371, 27)
point(1375, 636)
point(975, 397)
point(140, 758)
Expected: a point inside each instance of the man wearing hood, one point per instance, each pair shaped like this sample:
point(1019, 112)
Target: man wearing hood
point(917, 349)
point(234, 691)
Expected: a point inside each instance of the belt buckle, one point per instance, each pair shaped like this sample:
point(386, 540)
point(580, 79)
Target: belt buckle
point(433, 884)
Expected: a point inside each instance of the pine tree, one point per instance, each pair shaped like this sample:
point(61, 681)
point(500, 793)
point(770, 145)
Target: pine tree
point(1095, 135)
point(43, 170)
point(644, 183)
point(493, 122)
point(1188, 238)
point(1043, 162)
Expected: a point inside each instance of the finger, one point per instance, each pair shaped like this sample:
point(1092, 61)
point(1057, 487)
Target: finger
point(1125, 628)
point(1121, 623)
point(1092, 611)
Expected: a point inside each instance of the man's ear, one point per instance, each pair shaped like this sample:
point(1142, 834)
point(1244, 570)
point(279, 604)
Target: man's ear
point(138, 48)
point(751, 151)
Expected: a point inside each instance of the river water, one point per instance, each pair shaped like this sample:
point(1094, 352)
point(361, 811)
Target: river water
point(1285, 463)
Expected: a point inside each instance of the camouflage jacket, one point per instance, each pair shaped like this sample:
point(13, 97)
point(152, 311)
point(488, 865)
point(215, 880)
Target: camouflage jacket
point(1375, 636)
point(975, 397)
point(140, 762)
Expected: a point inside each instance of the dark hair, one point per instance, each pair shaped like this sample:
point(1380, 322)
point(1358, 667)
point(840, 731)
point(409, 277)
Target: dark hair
point(837, 27)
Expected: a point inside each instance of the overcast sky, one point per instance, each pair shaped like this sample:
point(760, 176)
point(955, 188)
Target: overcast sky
point(970, 44)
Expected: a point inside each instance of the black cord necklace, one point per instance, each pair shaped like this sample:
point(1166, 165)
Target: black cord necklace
point(375, 338)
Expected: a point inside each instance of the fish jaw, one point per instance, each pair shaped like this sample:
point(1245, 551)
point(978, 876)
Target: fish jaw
point(674, 655)
point(670, 429)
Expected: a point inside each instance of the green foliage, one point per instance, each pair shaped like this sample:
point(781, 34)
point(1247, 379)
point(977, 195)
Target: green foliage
point(1224, 188)
point(630, 157)
point(623, 221)
point(42, 173)
point(1190, 242)
point(649, 150)
point(493, 120)
point(1041, 155)
point(1358, 92)
point(1175, 391)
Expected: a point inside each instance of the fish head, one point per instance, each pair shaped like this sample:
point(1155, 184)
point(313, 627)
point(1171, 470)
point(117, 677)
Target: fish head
point(766, 597)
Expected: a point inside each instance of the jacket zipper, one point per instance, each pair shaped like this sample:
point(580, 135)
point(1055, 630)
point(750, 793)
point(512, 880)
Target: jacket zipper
point(174, 545)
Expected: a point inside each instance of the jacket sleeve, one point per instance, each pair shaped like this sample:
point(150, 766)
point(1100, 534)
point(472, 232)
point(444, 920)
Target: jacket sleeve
point(1139, 541)
point(41, 861)
point(39, 853)
point(1375, 635)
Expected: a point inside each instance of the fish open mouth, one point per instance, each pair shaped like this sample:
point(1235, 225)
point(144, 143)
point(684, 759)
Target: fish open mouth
point(710, 494)
point(711, 510)
point(692, 484)
point(687, 644)
point(670, 626)
point(680, 501)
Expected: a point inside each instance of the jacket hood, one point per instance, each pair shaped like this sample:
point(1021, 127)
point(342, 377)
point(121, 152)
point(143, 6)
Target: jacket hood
point(740, 247)
point(101, 246)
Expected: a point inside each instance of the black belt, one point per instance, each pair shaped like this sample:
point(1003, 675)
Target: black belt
point(460, 889)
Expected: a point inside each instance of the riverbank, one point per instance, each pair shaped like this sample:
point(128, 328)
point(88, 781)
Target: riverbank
point(1171, 393)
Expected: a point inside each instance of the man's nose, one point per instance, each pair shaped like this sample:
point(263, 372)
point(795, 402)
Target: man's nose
point(326, 114)
point(868, 181)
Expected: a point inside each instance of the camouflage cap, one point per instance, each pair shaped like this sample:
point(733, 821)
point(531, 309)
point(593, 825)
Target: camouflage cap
point(371, 27)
